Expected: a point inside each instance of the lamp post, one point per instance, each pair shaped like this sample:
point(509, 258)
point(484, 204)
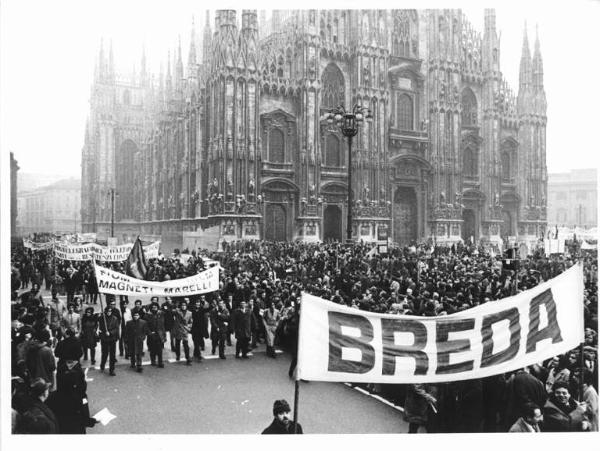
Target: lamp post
point(348, 122)
point(112, 193)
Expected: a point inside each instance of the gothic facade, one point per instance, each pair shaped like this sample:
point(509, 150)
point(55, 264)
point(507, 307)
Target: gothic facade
point(233, 146)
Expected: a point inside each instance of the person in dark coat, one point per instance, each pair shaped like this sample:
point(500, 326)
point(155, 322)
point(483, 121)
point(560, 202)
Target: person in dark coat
point(242, 326)
point(89, 334)
point(68, 349)
point(522, 388)
point(168, 309)
point(40, 360)
point(198, 329)
point(38, 418)
point(282, 424)
point(109, 335)
point(69, 402)
point(156, 334)
point(136, 331)
point(220, 319)
point(562, 413)
point(417, 406)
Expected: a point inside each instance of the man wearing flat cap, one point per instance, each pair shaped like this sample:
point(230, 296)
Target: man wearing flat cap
point(282, 424)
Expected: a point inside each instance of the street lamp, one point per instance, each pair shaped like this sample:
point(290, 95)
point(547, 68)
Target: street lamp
point(112, 193)
point(348, 123)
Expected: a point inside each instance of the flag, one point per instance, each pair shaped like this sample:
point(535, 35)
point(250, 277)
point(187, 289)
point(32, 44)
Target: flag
point(136, 265)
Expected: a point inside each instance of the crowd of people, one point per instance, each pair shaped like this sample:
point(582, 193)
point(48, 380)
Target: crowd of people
point(259, 300)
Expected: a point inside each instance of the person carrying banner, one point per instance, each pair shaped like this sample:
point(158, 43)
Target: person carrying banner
point(109, 334)
point(182, 324)
point(156, 334)
point(136, 331)
point(282, 424)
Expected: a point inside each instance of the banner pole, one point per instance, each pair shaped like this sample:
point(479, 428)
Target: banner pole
point(296, 395)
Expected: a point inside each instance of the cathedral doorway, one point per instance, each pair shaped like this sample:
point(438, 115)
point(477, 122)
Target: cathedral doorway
point(405, 215)
point(506, 229)
point(332, 223)
point(468, 227)
point(275, 223)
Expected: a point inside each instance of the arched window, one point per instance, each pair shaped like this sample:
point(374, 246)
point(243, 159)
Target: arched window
point(506, 169)
point(276, 146)
point(469, 108)
point(332, 91)
point(332, 151)
point(405, 113)
point(470, 162)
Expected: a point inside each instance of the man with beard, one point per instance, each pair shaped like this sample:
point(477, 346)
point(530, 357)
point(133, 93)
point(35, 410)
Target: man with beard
point(109, 334)
point(156, 334)
point(242, 319)
point(136, 331)
point(281, 420)
point(562, 413)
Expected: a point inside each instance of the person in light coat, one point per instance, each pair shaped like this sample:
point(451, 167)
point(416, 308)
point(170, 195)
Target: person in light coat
point(271, 318)
point(71, 320)
point(182, 326)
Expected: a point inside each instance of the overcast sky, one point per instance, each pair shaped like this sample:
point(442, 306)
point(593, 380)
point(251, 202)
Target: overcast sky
point(48, 51)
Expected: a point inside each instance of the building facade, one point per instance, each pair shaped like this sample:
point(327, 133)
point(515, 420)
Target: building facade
point(14, 168)
point(573, 198)
point(232, 145)
point(52, 208)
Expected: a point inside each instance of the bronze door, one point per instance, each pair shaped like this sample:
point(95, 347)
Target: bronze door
point(332, 223)
point(405, 215)
point(275, 223)
point(468, 227)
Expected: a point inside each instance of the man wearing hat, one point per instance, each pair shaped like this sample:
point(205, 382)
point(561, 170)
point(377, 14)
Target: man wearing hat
point(282, 424)
point(109, 334)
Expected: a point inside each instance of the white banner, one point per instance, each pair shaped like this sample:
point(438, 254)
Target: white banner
point(93, 251)
point(554, 246)
point(113, 282)
point(341, 344)
point(37, 246)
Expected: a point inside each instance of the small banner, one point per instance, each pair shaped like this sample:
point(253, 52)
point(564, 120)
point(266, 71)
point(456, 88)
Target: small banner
point(93, 251)
point(554, 246)
point(37, 246)
point(113, 282)
point(341, 344)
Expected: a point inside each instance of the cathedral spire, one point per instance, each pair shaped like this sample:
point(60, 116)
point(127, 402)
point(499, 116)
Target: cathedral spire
point(111, 63)
point(249, 39)
point(192, 51)
point(525, 65)
point(538, 66)
point(169, 80)
point(179, 67)
point(143, 66)
point(491, 43)
point(101, 61)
